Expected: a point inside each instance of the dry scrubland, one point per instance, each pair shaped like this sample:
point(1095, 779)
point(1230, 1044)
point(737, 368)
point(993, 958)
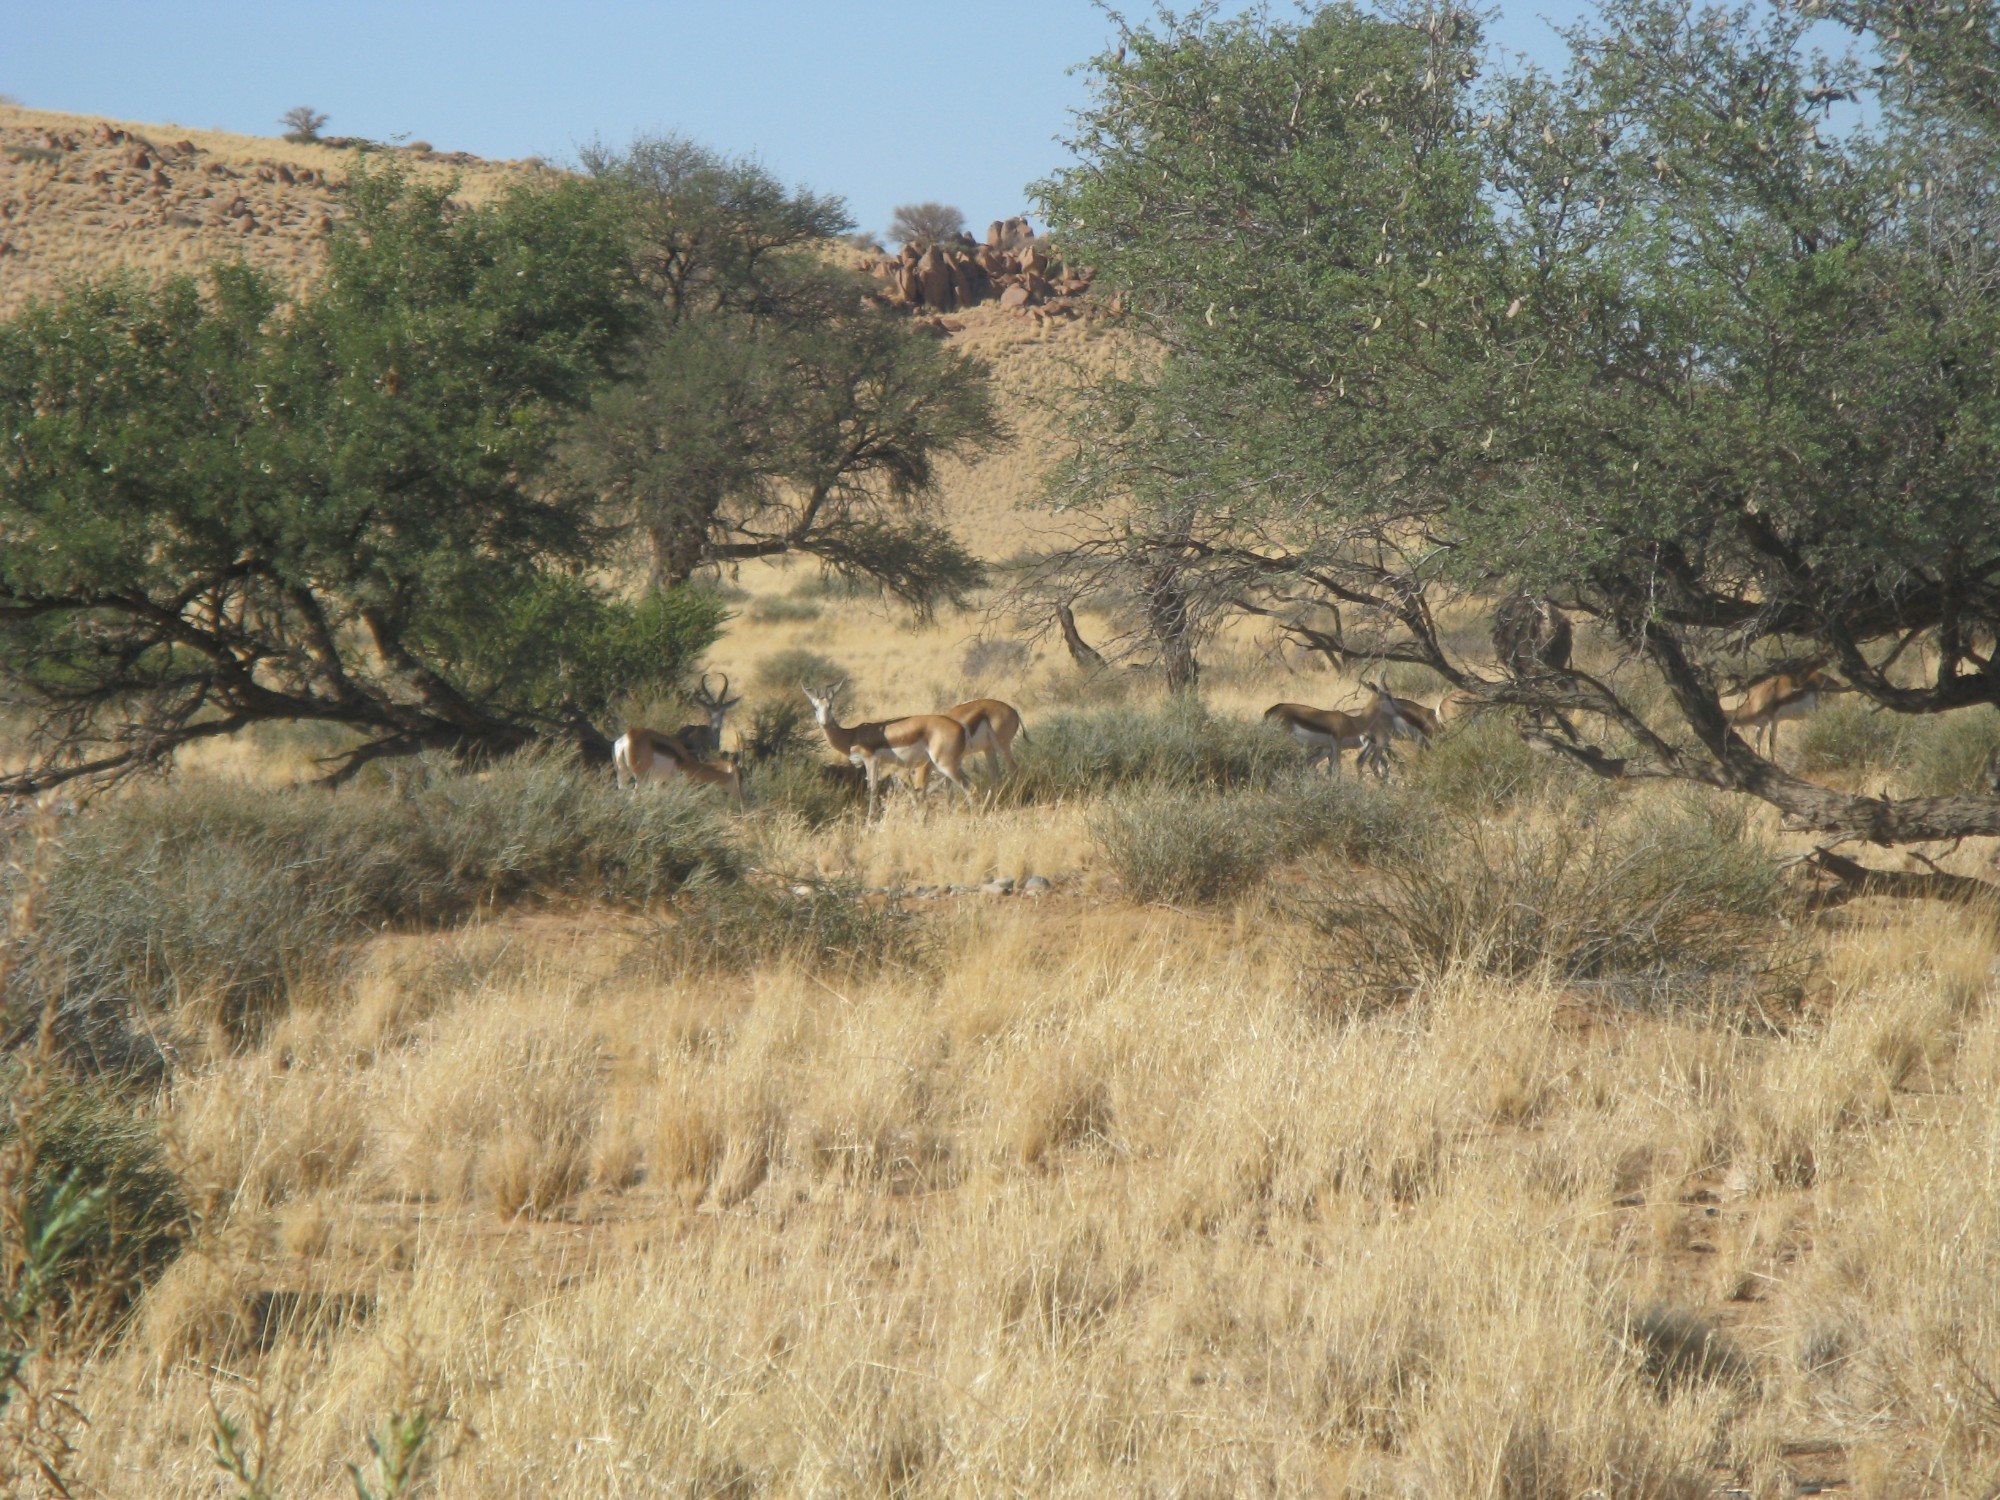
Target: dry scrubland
point(1346, 1172)
point(1493, 1134)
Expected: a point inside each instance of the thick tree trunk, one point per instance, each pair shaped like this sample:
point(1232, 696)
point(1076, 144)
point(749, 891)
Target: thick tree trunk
point(1171, 622)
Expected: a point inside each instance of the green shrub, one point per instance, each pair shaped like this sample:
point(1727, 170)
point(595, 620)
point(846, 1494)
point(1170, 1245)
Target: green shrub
point(827, 926)
point(1177, 744)
point(1850, 734)
point(779, 728)
point(1675, 899)
point(88, 1135)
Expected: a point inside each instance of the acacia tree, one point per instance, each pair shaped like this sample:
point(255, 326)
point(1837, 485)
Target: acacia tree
point(1658, 339)
point(773, 407)
point(925, 223)
point(218, 509)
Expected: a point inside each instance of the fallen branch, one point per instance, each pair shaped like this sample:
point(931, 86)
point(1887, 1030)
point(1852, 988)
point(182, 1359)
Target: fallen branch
point(1857, 880)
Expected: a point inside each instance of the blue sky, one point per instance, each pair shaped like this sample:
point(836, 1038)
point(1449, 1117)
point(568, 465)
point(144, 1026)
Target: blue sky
point(882, 103)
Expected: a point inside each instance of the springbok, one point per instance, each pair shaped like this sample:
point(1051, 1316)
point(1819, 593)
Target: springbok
point(890, 744)
point(706, 738)
point(1782, 695)
point(1325, 732)
point(990, 728)
point(1412, 720)
point(643, 755)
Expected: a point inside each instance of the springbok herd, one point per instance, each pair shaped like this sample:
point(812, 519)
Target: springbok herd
point(942, 741)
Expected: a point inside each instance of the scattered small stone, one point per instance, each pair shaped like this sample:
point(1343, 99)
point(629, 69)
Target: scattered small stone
point(802, 890)
point(1004, 886)
point(1036, 885)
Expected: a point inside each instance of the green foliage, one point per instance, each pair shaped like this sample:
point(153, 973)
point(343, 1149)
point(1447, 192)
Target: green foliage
point(216, 511)
point(775, 409)
point(240, 898)
point(560, 644)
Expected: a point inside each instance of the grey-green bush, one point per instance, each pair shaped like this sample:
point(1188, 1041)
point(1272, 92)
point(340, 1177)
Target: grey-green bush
point(1675, 899)
point(826, 925)
point(1175, 744)
point(1849, 734)
point(1182, 845)
point(241, 896)
point(1479, 766)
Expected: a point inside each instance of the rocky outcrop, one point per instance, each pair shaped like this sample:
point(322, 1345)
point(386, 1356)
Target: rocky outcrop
point(1012, 268)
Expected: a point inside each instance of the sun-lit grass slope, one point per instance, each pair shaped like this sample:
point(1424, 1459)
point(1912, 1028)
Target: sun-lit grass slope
point(82, 196)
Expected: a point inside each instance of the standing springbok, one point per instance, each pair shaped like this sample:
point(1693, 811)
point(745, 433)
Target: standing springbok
point(706, 738)
point(1326, 732)
point(643, 755)
point(990, 728)
point(1780, 696)
point(890, 744)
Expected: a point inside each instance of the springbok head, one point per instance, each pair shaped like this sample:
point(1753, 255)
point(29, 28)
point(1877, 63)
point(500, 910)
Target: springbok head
point(823, 701)
point(716, 702)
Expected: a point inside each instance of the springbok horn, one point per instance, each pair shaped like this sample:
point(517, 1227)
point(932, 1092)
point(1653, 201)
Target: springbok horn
point(725, 684)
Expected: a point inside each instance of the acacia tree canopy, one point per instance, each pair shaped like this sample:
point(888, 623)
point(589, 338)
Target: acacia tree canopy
point(1664, 339)
point(773, 407)
point(218, 509)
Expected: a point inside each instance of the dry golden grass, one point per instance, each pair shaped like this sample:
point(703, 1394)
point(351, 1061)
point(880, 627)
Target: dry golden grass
point(1104, 1209)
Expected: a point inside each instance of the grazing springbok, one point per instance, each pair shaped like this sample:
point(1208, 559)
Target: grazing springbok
point(643, 755)
point(706, 738)
point(990, 729)
point(1782, 695)
point(1325, 732)
point(887, 745)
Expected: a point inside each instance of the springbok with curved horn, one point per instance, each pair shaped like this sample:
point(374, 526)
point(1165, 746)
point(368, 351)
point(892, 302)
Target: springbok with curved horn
point(706, 738)
point(887, 745)
point(643, 755)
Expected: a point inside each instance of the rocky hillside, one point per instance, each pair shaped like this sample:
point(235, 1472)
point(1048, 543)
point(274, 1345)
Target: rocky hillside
point(82, 196)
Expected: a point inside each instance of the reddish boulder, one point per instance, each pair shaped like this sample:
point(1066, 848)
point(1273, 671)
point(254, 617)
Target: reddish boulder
point(934, 276)
point(1015, 296)
point(969, 283)
point(139, 161)
point(908, 289)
